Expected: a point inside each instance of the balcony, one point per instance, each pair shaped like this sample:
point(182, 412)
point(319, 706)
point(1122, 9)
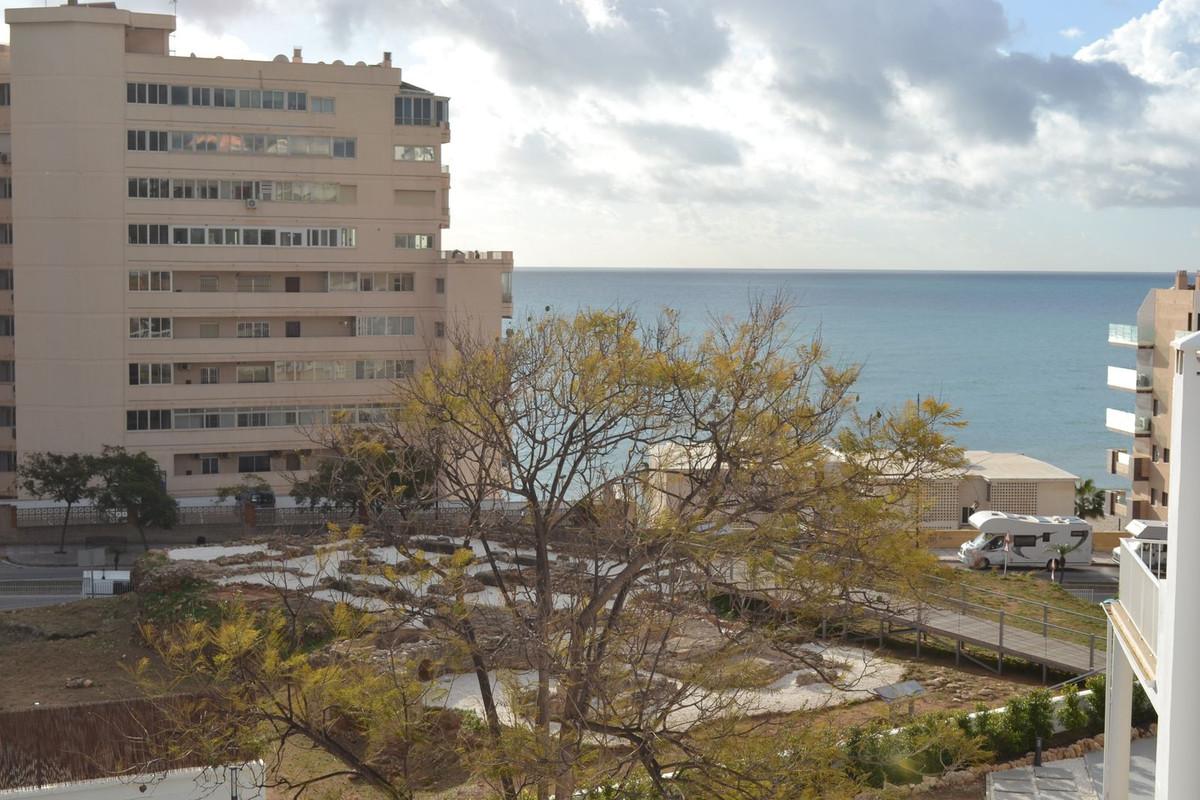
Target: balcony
point(1126, 422)
point(1128, 380)
point(1126, 464)
point(1134, 615)
point(1128, 336)
point(501, 257)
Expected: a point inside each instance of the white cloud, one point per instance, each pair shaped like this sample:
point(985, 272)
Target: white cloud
point(1071, 33)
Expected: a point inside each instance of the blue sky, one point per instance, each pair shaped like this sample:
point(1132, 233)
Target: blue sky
point(991, 134)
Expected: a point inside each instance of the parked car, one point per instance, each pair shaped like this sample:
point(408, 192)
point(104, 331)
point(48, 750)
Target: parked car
point(263, 499)
point(1146, 530)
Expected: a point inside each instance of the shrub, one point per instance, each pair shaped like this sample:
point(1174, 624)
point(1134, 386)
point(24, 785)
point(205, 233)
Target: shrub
point(1095, 704)
point(1071, 714)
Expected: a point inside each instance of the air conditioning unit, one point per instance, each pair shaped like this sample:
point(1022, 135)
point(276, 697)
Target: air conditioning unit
point(251, 202)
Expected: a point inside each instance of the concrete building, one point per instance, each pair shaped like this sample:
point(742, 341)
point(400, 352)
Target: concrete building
point(1013, 483)
point(207, 257)
point(1146, 460)
point(1010, 482)
point(1154, 631)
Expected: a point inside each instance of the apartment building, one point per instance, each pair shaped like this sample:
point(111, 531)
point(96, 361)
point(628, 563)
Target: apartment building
point(1154, 631)
point(1146, 460)
point(207, 258)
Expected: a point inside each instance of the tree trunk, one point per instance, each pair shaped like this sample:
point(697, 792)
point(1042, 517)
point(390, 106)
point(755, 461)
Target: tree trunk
point(62, 537)
point(508, 788)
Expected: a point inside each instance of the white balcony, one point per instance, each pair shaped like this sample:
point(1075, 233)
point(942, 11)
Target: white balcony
point(1126, 422)
point(1129, 380)
point(1135, 613)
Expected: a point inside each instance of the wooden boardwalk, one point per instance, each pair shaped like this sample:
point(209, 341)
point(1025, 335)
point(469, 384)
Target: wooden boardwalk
point(969, 625)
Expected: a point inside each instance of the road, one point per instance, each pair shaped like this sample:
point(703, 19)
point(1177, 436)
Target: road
point(15, 572)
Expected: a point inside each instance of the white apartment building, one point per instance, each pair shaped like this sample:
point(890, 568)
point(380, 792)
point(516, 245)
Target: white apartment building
point(204, 258)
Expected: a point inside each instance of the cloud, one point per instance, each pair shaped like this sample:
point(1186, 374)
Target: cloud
point(1071, 33)
point(685, 143)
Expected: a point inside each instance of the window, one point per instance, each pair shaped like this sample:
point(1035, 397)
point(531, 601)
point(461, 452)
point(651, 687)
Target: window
point(1153, 496)
point(201, 96)
point(505, 287)
point(5, 187)
point(179, 95)
point(291, 329)
point(6, 279)
point(253, 330)
point(148, 420)
point(210, 330)
point(8, 461)
point(7, 328)
point(154, 141)
point(254, 283)
point(415, 111)
point(8, 416)
point(210, 465)
point(405, 152)
point(254, 463)
point(5, 94)
point(1154, 453)
point(150, 374)
point(414, 241)
point(439, 285)
point(148, 234)
point(8, 371)
point(153, 93)
point(323, 105)
point(225, 98)
point(210, 374)
point(1166, 455)
point(1164, 498)
point(297, 101)
point(142, 280)
point(385, 326)
point(382, 369)
point(403, 281)
point(291, 284)
point(149, 327)
point(157, 188)
point(6, 233)
point(208, 283)
point(439, 329)
point(343, 281)
point(344, 148)
point(254, 374)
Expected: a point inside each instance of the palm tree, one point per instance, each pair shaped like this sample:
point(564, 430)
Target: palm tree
point(1089, 500)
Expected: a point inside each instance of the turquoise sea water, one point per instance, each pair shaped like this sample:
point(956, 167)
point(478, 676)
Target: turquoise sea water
point(1022, 354)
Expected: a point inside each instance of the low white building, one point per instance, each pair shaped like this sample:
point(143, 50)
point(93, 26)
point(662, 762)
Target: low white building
point(1013, 483)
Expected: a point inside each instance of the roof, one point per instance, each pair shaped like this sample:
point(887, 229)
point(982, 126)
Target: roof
point(979, 517)
point(1013, 467)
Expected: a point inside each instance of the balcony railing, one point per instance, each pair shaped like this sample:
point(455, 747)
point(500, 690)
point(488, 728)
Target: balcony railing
point(1129, 380)
point(1143, 566)
point(462, 256)
point(1119, 462)
point(1127, 336)
point(1126, 422)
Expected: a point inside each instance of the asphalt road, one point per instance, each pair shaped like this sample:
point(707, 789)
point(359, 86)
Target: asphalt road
point(15, 572)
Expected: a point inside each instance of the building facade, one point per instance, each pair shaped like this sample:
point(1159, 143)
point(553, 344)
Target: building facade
point(1146, 460)
point(1013, 483)
point(1153, 625)
point(206, 258)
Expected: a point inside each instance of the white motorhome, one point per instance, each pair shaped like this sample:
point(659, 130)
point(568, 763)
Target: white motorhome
point(1031, 541)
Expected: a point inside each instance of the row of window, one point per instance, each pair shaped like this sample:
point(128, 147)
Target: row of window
point(371, 325)
point(414, 241)
point(403, 152)
point(148, 280)
point(241, 237)
point(270, 144)
point(207, 96)
point(161, 327)
point(247, 462)
point(163, 419)
point(142, 374)
point(421, 111)
point(214, 189)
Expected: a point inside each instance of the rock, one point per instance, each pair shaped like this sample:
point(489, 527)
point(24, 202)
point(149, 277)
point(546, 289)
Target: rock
point(79, 683)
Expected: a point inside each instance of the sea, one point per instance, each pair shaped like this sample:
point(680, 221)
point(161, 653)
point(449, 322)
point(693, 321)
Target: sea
point(1023, 355)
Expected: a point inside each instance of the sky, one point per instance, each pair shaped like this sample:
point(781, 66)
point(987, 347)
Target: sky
point(919, 134)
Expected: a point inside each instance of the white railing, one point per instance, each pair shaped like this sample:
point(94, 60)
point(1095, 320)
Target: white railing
point(476, 255)
point(1141, 564)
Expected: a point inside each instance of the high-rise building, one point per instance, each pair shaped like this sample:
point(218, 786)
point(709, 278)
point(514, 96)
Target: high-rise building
point(1146, 462)
point(204, 258)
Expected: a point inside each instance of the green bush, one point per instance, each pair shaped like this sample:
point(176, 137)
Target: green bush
point(1071, 714)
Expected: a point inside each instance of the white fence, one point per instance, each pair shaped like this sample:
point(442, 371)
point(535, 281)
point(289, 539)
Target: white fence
point(1140, 585)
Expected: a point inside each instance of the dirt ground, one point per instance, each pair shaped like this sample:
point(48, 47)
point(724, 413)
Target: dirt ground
point(42, 648)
